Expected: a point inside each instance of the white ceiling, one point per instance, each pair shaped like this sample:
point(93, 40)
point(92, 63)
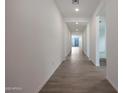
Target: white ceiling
point(86, 7)
point(72, 26)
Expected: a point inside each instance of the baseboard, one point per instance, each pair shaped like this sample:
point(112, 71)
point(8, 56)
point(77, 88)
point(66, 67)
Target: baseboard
point(112, 84)
point(41, 87)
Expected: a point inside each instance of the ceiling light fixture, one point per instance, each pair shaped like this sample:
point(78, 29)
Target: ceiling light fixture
point(76, 23)
point(76, 9)
point(75, 2)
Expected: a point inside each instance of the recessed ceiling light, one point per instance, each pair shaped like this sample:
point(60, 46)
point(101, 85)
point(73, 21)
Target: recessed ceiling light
point(76, 22)
point(76, 9)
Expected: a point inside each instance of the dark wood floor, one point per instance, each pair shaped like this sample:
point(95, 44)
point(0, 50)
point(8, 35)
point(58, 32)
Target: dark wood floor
point(77, 75)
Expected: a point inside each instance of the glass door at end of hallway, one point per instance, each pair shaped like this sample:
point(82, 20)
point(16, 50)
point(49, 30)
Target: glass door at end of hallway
point(75, 41)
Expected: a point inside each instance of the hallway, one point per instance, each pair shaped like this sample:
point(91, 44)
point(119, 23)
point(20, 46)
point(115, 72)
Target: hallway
point(77, 75)
point(39, 52)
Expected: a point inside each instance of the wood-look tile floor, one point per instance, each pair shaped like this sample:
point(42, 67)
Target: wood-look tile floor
point(77, 75)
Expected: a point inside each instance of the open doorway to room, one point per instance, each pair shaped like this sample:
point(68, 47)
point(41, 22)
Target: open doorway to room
point(101, 42)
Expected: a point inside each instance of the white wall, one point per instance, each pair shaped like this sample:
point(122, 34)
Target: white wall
point(93, 39)
point(112, 41)
point(85, 40)
point(34, 43)
point(88, 40)
point(67, 39)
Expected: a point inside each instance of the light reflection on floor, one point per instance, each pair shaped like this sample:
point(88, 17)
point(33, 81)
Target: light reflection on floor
point(76, 54)
point(76, 51)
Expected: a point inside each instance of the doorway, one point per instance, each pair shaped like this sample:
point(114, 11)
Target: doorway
point(75, 41)
point(101, 42)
